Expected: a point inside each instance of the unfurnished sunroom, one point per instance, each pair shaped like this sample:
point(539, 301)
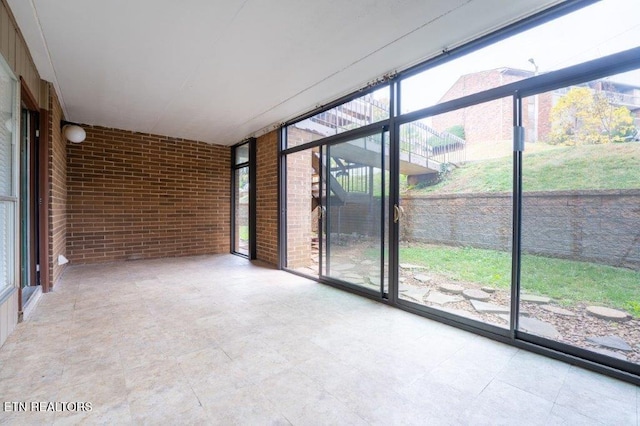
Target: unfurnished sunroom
point(471, 162)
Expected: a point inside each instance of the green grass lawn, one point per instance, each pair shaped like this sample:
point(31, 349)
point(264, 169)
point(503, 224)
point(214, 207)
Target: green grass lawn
point(595, 167)
point(611, 166)
point(567, 282)
point(243, 231)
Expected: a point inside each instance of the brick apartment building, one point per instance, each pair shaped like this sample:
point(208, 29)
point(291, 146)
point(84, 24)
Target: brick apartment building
point(536, 109)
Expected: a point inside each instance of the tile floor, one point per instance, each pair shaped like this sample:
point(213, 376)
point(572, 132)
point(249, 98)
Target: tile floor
point(216, 340)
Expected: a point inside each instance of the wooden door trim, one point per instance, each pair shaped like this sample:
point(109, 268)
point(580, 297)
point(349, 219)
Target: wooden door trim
point(43, 153)
point(31, 103)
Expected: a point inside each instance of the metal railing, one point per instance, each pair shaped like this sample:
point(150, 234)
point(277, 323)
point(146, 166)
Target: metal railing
point(616, 98)
point(419, 143)
point(354, 179)
point(419, 139)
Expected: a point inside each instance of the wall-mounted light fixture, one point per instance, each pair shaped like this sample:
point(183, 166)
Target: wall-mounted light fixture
point(72, 132)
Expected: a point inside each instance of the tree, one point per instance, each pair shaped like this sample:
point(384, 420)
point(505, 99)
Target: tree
point(584, 117)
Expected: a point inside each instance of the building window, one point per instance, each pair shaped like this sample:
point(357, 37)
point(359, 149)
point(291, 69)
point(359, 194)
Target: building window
point(8, 178)
point(243, 200)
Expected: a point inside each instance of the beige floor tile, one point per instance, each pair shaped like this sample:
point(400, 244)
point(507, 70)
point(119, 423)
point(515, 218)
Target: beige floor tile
point(218, 340)
point(324, 409)
point(289, 389)
point(198, 364)
point(164, 401)
point(114, 413)
point(244, 406)
point(93, 370)
point(211, 387)
point(154, 375)
point(30, 418)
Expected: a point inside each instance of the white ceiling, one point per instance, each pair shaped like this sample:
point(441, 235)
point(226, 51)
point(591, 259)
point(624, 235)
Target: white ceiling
point(222, 70)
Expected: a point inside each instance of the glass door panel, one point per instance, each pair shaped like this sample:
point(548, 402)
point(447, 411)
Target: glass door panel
point(303, 209)
point(7, 244)
point(241, 209)
point(9, 231)
point(243, 199)
point(580, 267)
point(354, 181)
point(25, 203)
point(29, 233)
point(455, 210)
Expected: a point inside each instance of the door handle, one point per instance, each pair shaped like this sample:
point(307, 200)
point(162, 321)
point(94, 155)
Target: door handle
point(398, 213)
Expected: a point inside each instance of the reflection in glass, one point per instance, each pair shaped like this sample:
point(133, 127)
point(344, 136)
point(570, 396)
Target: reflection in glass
point(242, 154)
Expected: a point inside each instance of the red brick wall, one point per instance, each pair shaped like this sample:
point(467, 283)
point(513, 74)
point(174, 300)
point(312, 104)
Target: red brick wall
point(302, 222)
point(489, 121)
point(296, 136)
point(267, 197)
point(545, 102)
point(477, 82)
point(493, 121)
point(57, 190)
point(299, 214)
point(140, 196)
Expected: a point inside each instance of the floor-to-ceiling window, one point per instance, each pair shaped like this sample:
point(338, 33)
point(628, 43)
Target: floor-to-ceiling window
point(580, 250)
point(494, 187)
point(455, 233)
point(337, 194)
point(243, 199)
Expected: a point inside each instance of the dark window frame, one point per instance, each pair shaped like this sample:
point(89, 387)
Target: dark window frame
point(251, 165)
point(587, 71)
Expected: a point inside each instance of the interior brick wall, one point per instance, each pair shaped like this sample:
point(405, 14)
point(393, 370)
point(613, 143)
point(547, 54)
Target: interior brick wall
point(299, 213)
point(267, 197)
point(57, 190)
point(140, 196)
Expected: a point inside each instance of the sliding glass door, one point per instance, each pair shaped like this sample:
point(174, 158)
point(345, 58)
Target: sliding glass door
point(353, 240)
point(29, 209)
point(509, 206)
point(336, 180)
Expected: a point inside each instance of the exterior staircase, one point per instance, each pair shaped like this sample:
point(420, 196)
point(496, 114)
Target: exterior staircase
point(424, 151)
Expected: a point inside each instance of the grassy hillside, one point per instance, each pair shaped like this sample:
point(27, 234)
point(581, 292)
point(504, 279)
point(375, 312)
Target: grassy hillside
point(611, 166)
